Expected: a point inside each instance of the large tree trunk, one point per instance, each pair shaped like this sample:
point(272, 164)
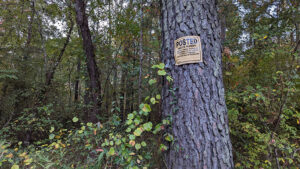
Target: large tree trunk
point(95, 87)
point(199, 115)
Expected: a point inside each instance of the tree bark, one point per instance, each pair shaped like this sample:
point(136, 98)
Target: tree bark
point(95, 86)
point(29, 30)
point(76, 88)
point(199, 115)
point(51, 71)
point(141, 53)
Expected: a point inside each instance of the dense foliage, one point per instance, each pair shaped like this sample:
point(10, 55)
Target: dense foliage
point(45, 125)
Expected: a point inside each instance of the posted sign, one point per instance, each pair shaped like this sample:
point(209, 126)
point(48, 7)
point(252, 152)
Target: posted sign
point(188, 50)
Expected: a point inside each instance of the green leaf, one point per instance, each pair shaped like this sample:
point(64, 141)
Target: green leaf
point(138, 146)
point(147, 126)
point(15, 166)
point(154, 66)
point(131, 137)
point(89, 124)
point(162, 147)
point(152, 81)
point(169, 138)
point(138, 132)
point(157, 129)
point(128, 130)
point(152, 100)
point(128, 122)
point(166, 122)
point(130, 116)
point(158, 97)
point(161, 72)
point(228, 73)
point(137, 121)
point(146, 108)
point(75, 119)
point(141, 158)
point(51, 136)
point(118, 142)
point(111, 152)
point(52, 129)
point(160, 66)
point(144, 144)
point(141, 106)
point(169, 78)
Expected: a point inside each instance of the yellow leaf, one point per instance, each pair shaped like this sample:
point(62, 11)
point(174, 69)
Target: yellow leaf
point(23, 154)
point(298, 122)
point(9, 155)
point(265, 37)
point(237, 164)
point(56, 146)
point(28, 161)
point(281, 159)
point(15, 166)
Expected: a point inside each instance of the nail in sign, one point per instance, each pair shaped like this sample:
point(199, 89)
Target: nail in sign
point(188, 50)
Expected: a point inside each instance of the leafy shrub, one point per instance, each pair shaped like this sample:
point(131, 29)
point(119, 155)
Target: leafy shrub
point(264, 125)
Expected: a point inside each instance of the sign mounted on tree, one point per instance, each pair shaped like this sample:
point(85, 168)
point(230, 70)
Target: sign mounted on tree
point(188, 50)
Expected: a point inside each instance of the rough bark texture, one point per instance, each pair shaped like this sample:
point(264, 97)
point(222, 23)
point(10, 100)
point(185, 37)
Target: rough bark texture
point(95, 87)
point(197, 107)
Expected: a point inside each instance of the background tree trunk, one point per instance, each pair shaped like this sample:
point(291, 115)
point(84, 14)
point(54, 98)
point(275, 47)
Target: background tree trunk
point(199, 115)
point(29, 30)
point(50, 73)
point(76, 88)
point(141, 53)
point(95, 86)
